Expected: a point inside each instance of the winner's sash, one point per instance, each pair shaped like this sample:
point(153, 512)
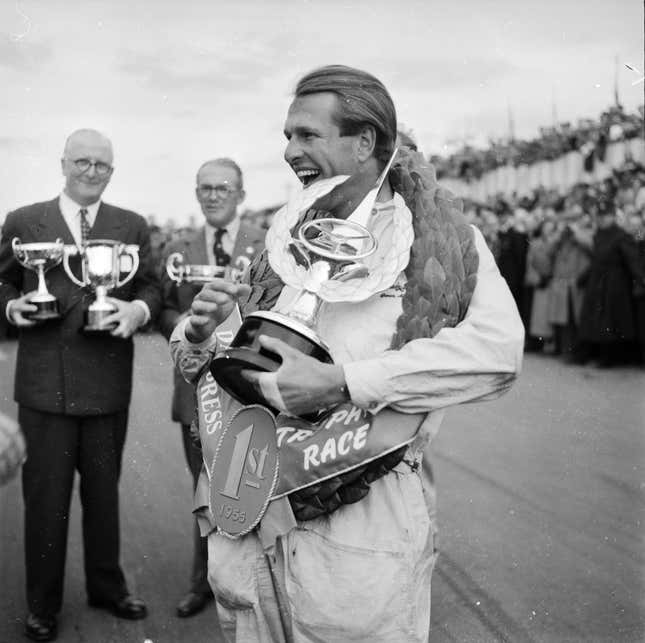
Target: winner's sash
point(251, 458)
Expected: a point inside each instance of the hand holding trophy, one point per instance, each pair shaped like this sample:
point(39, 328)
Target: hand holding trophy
point(40, 257)
point(326, 253)
point(102, 261)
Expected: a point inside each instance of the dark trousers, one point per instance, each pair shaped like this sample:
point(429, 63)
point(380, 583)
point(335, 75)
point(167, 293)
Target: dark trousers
point(199, 574)
point(57, 447)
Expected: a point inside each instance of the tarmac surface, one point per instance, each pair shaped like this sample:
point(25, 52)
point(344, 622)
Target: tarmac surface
point(541, 506)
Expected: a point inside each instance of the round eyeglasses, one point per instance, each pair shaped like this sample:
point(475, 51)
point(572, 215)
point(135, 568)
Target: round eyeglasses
point(221, 191)
point(83, 165)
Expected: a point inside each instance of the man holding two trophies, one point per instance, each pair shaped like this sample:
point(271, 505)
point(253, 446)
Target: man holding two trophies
point(442, 329)
point(73, 387)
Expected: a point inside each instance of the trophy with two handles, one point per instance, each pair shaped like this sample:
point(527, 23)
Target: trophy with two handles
point(40, 257)
point(103, 264)
point(179, 271)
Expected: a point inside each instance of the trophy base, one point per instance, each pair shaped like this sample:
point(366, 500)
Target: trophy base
point(226, 368)
point(45, 310)
point(94, 325)
point(245, 352)
point(98, 330)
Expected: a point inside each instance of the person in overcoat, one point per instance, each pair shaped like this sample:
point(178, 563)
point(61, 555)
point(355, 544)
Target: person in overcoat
point(539, 268)
point(567, 285)
point(616, 274)
point(73, 389)
point(223, 240)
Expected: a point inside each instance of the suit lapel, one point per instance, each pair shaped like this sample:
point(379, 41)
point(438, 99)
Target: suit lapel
point(51, 225)
point(247, 242)
point(108, 224)
point(196, 251)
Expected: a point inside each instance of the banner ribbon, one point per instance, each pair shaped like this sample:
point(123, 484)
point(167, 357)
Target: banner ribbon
point(247, 453)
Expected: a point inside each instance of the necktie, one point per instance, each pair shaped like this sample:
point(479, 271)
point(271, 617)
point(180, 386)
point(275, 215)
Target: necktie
point(85, 225)
point(221, 257)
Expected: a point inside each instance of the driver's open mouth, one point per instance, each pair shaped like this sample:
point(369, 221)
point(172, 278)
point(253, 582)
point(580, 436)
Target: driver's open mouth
point(307, 176)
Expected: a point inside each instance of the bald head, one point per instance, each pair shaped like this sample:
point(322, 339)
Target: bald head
point(87, 165)
point(85, 138)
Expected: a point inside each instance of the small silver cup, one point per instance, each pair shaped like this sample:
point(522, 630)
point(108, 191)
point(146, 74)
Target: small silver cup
point(179, 271)
point(40, 257)
point(102, 263)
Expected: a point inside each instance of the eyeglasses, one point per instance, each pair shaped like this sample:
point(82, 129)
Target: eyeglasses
point(83, 165)
point(222, 190)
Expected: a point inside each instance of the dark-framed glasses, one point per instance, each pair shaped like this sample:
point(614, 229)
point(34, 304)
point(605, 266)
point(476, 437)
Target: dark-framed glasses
point(83, 165)
point(221, 190)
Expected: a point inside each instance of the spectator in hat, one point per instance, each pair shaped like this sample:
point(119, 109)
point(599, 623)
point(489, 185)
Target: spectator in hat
point(608, 313)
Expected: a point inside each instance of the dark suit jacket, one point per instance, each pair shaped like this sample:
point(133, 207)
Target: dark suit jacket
point(58, 369)
point(177, 299)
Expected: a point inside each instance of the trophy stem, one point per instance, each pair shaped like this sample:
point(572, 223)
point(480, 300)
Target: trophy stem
point(42, 287)
point(101, 295)
point(98, 311)
point(46, 304)
point(305, 308)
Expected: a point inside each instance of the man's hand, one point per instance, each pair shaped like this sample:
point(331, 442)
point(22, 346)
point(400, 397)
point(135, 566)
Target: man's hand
point(302, 384)
point(18, 308)
point(129, 316)
point(211, 306)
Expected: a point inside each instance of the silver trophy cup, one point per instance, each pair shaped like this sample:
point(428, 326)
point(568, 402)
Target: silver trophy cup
point(327, 250)
point(40, 257)
point(179, 271)
point(102, 263)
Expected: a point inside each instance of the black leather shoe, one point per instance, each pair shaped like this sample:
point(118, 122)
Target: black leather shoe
point(192, 603)
point(40, 628)
point(126, 607)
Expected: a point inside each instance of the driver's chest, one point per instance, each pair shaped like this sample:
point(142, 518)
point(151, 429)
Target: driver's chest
point(356, 330)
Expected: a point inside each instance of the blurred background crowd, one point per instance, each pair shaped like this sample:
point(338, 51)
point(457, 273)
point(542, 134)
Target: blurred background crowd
point(572, 253)
point(588, 136)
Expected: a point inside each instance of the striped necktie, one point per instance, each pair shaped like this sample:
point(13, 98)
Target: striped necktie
point(222, 258)
point(85, 225)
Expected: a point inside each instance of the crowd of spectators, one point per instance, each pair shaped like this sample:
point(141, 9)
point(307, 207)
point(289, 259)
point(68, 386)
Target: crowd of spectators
point(588, 136)
point(575, 264)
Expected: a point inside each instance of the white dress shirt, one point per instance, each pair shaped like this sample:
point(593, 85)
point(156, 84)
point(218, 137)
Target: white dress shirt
point(71, 212)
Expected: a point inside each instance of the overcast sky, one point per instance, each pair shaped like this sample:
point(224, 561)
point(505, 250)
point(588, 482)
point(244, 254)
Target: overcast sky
point(175, 83)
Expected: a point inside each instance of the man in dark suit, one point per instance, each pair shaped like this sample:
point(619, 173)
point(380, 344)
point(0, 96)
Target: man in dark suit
point(224, 240)
point(73, 389)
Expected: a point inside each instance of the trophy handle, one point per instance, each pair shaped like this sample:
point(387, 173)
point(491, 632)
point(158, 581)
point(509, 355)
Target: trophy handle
point(72, 251)
point(15, 242)
point(174, 267)
point(132, 251)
